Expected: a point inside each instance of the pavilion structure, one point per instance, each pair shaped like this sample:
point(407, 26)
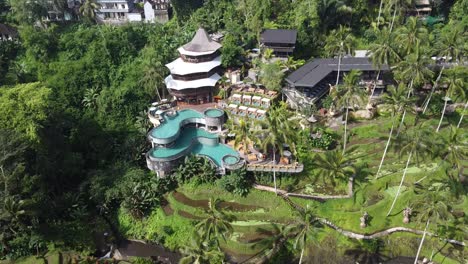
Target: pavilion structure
point(195, 73)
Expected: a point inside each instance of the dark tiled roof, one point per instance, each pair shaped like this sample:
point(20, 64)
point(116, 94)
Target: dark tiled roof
point(287, 36)
point(7, 30)
point(316, 70)
point(201, 42)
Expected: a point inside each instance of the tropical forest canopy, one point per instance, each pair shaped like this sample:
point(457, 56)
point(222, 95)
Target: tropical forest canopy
point(74, 95)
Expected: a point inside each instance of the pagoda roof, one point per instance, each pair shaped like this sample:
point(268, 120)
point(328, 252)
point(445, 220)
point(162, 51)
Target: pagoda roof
point(201, 44)
point(211, 81)
point(180, 67)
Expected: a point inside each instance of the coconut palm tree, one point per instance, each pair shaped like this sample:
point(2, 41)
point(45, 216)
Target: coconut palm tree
point(290, 64)
point(398, 6)
point(349, 95)
point(455, 80)
point(462, 114)
point(411, 35)
point(88, 9)
point(449, 45)
point(415, 142)
point(277, 131)
point(382, 52)
point(414, 68)
point(216, 225)
point(90, 98)
point(397, 99)
point(197, 252)
point(432, 207)
point(306, 229)
point(339, 43)
point(245, 131)
point(334, 165)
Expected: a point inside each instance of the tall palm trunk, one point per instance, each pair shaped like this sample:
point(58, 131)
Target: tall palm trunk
point(345, 129)
point(404, 112)
point(463, 113)
point(302, 254)
point(401, 183)
point(375, 85)
point(339, 67)
point(380, 12)
point(422, 241)
point(443, 113)
point(426, 104)
point(274, 169)
point(386, 147)
point(393, 19)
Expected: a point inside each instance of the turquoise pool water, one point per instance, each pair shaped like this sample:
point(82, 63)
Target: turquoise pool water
point(214, 112)
point(215, 152)
point(230, 160)
point(171, 125)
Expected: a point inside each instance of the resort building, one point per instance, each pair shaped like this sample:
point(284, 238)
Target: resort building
point(312, 81)
point(421, 8)
point(195, 74)
point(114, 11)
point(156, 11)
point(180, 133)
point(281, 41)
point(7, 33)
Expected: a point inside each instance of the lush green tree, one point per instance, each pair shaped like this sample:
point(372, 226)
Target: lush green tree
point(197, 168)
point(339, 43)
point(334, 165)
point(237, 182)
point(398, 101)
point(410, 36)
point(244, 130)
point(184, 8)
point(416, 141)
point(449, 44)
point(198, 252)
point(88, 10)
point(216, 225)
point(271, 76)
point(232, 52)
point(305, 229)
point(278, 129)
point(456, 80)
point(383, 51)
point(349, 95)
point(28, 12)
point(433, 205)
point(25, 107)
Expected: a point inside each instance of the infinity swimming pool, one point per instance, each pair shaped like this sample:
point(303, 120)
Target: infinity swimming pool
point(171, 124)
point(196, 141)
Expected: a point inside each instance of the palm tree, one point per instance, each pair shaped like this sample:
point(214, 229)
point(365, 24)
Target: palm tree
point(414, 68)
point(349, 95)
point(449, 45)
point(411, 35)
point(453, 148)
point(90, 98)
point(417, 142)
point(432, 207)
point(197, 252)
point(152, 78)
point(455, 80)
point(462, 114)
point(383, 52)
point(306, 230)
point(290, 64)
point(88, 9)
point(244, 130)
point(399, 5)
point(277, 130)
point(215, 225)
point(334, 165)
point(397, 99)
point(340, 42)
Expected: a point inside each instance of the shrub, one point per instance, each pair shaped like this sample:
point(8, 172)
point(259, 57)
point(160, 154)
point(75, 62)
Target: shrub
point(236, 182)
point(197, 169)
point(324, 140)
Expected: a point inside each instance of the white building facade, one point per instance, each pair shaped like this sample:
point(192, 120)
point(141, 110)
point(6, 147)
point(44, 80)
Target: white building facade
point(156, 11)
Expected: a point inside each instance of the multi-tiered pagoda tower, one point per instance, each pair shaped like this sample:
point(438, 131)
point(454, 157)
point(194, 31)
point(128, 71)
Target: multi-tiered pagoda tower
point(194, 75)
